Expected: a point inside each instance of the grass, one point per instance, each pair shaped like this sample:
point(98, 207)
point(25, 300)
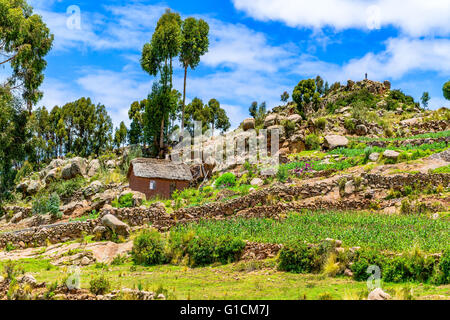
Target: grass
point(254, 280)
point(445, 169)
point(378, 231)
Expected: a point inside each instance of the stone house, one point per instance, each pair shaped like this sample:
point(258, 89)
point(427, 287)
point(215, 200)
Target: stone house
point(155, 177)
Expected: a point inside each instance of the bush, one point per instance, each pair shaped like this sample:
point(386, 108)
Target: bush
point(66, 189)
point(282, 174)
point(312, 142)
point(321, 123)
point(299, 258)
point(23, 172)
point(53, 206)
point(227, 180)
point(148, 249)
point(349, 125)
point(99, 285)
point(442, 271)
point(289, 127)
point(201, 251)
point(228, 249)
point(363, 259)
point(125, 201)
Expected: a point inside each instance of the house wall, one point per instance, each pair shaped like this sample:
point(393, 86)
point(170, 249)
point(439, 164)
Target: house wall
point(162, 186)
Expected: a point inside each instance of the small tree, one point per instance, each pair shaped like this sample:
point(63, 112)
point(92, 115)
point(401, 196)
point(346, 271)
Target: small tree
point(194, 44)
point(120, 136)
point(258, 113)
point(218, 116)
point(305, 93)
point(285, 97)
point(320, 85)
point(446, 90)
point(425, 99)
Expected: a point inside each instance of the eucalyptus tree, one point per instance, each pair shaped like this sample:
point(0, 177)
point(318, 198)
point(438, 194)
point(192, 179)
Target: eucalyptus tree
point(157, 58)
point(218, 116)
point(194, 44)
point(24, 42)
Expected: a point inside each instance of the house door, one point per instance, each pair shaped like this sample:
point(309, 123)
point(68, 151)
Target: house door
point(173, 187)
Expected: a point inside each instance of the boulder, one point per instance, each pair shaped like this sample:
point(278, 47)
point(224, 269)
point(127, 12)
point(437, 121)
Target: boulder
point(374, 157)
point(361, 130)
point(138, 197)
point(75, 167)
point(378, 294)
point(27, 279)
point(248, 124)
point(100, 233)
point(94, 188)
point(22, 187)
point(276, 127)
point(295, 118)
point(70, 208)
point(17, 217)
point(52, 175)
point(111, 164)
point(257, 182)
point(271, 120)
point(55, 163)
point(94, 167)
point(335, 141)
point(268, 172)
point(118, 227)
point(33, 187)
point(391, 154)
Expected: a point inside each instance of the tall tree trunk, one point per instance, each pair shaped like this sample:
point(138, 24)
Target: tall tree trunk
point(184, 100)
point(161, 139)
point(212, 126)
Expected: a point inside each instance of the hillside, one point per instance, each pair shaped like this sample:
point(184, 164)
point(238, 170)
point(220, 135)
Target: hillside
point(363, 179)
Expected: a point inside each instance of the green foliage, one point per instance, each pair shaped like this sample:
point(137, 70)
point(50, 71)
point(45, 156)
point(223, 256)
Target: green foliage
point(425, 99)
point(282, 174)
point(446, 90)
point(377, 231)
point(258, 113)
point(23, 172)
point(349, 125)
point(120, 136)
point(442, 272)
point(363, 260)
point(148, 249)
point(321, 123)
point(312, 142)
point(289, 127)
point(99, 285)
point(45, 204)
point(26, 40)
point(305, 93)
point(227, 180)
point(297, 257)
point(125, 201)
point(285, 96)
point(445, 169)
point(66, 188)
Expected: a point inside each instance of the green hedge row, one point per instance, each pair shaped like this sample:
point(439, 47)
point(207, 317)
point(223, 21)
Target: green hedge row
point(415, 266)
point(151, 248)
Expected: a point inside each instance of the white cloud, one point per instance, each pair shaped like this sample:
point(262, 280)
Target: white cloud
point(402, 56)
point(412, 17)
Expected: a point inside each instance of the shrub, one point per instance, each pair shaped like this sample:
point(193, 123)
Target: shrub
point(227, 180)
point(442, 270)
point(282, 174)
point(349, 125)
point(321, 123)
point(312, 142)
point(23, 172)
point(39, 205)
point(125, 201)
point(66, 189)
point(228, 249)
point(299, 258)
point(53, 206)
point(201, 251)
point(148, 249)
point(363, 259)
point(289, 127)
point(99, 285)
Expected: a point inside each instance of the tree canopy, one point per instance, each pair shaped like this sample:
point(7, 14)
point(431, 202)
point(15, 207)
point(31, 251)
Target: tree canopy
point(305, 93)
point(24, 42)
point(446, 90)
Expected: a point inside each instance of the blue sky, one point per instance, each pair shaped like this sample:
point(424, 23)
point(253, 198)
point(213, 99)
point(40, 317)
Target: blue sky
point(259, 49)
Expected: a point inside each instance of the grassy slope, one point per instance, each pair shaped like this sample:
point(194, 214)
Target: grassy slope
point(244, 280)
